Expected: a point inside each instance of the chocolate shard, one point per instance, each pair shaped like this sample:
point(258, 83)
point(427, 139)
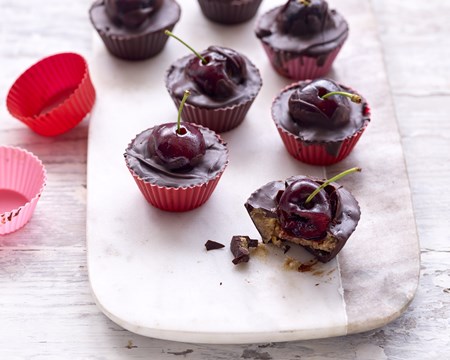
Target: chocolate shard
point(213, 245)
point(239, 247)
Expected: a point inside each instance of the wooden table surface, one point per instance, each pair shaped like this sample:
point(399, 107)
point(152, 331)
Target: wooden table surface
point(46, 307)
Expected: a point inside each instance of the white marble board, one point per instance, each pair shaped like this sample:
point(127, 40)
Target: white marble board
point(149, 270)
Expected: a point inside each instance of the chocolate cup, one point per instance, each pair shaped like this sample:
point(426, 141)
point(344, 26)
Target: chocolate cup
point(320, 152)
point(133, 44)
point(262, 208)
point(231, 12)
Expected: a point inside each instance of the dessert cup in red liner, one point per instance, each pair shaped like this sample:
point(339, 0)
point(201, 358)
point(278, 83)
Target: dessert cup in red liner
point(54, 95)
point(22, 180)
point(219, 120)
point(177, 199)
point(319, 152)
point(300, 67)
point(229, 12)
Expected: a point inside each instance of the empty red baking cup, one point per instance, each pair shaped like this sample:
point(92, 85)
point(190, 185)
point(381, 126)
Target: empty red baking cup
point(53, 95)
point(22, 180)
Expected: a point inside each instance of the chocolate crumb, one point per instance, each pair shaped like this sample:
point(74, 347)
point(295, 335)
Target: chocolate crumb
point(285, 248)
point(239, 248)
point(213, 245)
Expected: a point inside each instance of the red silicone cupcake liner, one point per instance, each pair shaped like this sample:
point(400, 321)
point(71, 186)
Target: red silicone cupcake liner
point(229, 12)
point(176, 199)
point(138, 47)
point(22, 180)
point(300, 67)
point(54, 95)
point(315, 152)
point(219, 120)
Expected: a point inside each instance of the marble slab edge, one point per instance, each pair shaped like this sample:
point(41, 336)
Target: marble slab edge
point(379, 283)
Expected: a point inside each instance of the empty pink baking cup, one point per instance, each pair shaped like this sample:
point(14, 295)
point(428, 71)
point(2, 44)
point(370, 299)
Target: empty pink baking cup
point(54, 95)
point(22, 180)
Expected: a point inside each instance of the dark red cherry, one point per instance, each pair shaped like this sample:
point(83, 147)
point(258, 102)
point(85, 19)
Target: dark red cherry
point(303, 17)
point(181, 149)
point(307, 107)
point(223, 70)
point(131, 13)
point(306, 220)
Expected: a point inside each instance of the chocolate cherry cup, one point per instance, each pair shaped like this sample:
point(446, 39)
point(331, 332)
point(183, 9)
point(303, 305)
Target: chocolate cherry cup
point(312, 144)
point(176, 190)
point(223, 89)
point(134, 30)
point(302, 38)
point(54, 95)
point(22, 180)
point(229, 12)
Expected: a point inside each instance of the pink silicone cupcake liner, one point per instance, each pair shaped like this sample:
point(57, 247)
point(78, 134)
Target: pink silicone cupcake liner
point(315, 152)
point(229, 12)
point(299, 67)
point(22, 180)
point(219, 120)
point(139, 47)
point(53, 95)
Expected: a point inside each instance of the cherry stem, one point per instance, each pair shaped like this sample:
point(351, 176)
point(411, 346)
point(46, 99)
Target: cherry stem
point(168, 33)
point(328, 182)
point(180, 109)
point(353, 97)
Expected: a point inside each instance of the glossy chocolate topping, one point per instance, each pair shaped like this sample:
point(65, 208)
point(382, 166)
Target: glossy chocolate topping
point(307, 108)
point(233, 80)
point(131, 13)
point(149, 168)
point(310, 30)
point(123, 18)
point(319, 128)
point(345, 213)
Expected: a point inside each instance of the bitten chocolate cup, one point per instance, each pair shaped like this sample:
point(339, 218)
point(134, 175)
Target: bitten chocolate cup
point(22, 180)
point(54, 95)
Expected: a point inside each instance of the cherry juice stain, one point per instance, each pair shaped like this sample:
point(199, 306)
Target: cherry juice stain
point(10, 200)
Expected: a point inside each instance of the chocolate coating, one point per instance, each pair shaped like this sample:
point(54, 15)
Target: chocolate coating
point(308, 109)
point(345, 213)
point(358, 118)
point(149, 168)
point(162, 17)
point(131, 13)
point(303, 33)
point(178, 80)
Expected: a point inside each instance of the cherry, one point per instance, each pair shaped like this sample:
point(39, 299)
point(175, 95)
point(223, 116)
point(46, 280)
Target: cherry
point(303, 17)
point(216, 71)
point(314, 104)
point(223, 71)
point(304, 208)
point(131, 13)
point(299, 218)
point(178, 146)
